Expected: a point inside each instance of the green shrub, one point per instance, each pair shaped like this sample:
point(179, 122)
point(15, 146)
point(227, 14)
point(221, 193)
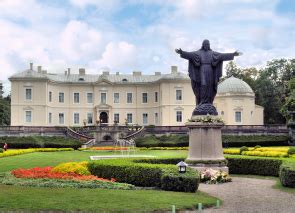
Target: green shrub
point(39, 142)
point(257, 146)
point(147, 175)
point(228, 140)
point(254, 165)
point(243, 148)
point(287, 174)
point(253, 140)
point(162, 141)
point(1, 150)
point(291, 151)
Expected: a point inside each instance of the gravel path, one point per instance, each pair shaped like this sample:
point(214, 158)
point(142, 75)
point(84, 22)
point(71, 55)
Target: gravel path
point(250, 195)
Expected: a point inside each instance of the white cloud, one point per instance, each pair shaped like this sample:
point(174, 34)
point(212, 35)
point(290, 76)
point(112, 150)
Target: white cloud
point(80, 41)
point(118, 56)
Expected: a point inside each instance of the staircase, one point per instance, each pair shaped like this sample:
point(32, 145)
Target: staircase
point(85, 139)
point(128, 141)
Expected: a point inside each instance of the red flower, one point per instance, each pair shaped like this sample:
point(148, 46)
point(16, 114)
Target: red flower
point(47, 173)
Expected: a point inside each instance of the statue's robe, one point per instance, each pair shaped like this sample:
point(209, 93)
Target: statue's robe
point(205, 70)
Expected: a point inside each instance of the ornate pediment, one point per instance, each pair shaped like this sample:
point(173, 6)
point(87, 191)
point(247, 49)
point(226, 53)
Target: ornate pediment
point(103, 106)
point(28, 108)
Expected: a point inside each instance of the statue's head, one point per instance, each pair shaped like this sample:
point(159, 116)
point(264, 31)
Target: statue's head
point(206, 45)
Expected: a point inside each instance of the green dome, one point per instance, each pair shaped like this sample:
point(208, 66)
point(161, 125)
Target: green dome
point(233, 85)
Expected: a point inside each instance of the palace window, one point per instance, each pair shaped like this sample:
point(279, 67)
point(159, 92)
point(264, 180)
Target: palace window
point(90, 117)
point(61, 97)
point(28, 94)
point(61, 118)
point(76, 98)
point(156, 118)
point(144, 97)
point(178, 95)
point(129, 117)
point(178, 116)
point(49, 117)
point(156, 97)
point(116, 98)
point(50, 97)
point(144, 118)
point(28, 116)
point(76, 118)
point(117, 118)
point(238, 116)
point(89, 97)
point(129, 98)
point(103, 98)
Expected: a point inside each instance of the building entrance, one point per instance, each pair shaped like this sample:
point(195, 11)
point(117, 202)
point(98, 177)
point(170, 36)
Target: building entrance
point(103, 117)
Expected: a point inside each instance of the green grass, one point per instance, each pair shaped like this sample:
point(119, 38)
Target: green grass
point(42, 159)
point(34, 199)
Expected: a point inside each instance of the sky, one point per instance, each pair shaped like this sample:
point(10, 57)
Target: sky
point(139, 35)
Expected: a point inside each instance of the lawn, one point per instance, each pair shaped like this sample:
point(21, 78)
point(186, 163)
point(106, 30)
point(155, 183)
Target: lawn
point(53, 199)
point(42, 159)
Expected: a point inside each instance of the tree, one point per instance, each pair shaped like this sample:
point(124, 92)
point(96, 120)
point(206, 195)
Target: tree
point(289, 105)
point(5, 111)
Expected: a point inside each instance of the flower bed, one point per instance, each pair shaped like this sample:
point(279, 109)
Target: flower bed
point(47, 172)
point(104, 148)
point(25, 151)
point(10, 179)
point(80, 168)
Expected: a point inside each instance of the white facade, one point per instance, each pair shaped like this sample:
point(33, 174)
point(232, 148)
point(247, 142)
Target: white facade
point(42, 99)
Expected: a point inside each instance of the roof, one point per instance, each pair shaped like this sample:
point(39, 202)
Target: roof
point(233, 85)
point(91, 78)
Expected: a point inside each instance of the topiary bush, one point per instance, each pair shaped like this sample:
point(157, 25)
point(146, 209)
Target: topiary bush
point(1, 150)
point(243, 148)
point(291, 151)
point(134, 171)
point(287, 174)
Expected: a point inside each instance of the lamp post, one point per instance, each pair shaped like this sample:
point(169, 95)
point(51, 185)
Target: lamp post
point(181, 167)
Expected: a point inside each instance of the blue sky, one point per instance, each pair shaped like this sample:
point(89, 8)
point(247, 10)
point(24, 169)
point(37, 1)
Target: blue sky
point(127, 35)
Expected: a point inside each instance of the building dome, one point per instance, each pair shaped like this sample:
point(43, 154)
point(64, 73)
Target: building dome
point(233, 85)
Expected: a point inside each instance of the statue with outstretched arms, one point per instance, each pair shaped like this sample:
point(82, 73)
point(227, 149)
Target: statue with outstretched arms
point(205, 70)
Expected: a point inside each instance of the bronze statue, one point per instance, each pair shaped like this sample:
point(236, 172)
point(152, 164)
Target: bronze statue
point(205, 69)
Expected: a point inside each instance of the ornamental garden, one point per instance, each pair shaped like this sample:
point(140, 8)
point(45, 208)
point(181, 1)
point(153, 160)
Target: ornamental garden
point(54, 174)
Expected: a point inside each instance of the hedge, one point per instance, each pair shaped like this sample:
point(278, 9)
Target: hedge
point(227, 140)
point(254, 165)
point(134, 171)
point(162, 141)
point(254, 140)
point(39, 142)
point(287, 174)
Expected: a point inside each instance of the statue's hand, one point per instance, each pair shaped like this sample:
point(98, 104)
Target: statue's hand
point(237, 53)
point(179, 51)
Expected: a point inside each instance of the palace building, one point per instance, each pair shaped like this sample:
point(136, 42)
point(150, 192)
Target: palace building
point(39, 98)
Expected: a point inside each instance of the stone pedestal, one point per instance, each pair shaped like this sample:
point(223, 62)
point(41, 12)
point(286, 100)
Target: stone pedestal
point(205, 146)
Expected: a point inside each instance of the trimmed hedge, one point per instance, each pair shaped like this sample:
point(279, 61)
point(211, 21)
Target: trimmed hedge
point(39, 142)
point(287, 174)
point(134, 171)
point(254, 165)
point(162, 141)
point(254, 140)
point(227, 140)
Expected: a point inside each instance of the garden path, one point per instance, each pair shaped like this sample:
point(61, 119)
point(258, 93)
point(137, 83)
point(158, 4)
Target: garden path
point(250, 195)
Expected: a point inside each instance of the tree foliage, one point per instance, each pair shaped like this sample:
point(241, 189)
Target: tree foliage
point(270, 85)
point(5, 111)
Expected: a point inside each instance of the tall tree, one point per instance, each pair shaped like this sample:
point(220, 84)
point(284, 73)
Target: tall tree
point(289, 105)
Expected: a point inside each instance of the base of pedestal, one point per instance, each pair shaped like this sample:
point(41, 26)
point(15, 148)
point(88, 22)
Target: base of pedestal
point(205, 146)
